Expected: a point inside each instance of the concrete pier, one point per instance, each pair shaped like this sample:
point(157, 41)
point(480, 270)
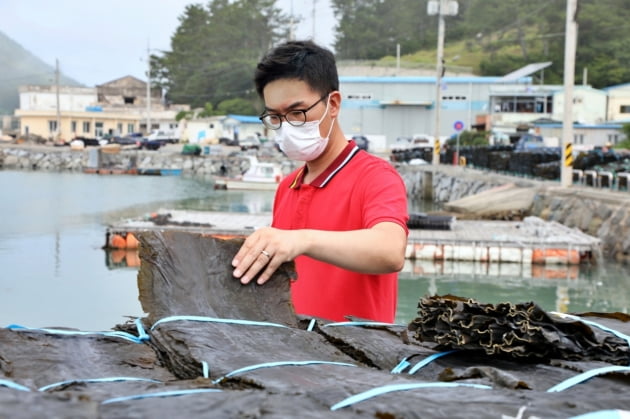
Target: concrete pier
point(531, 241)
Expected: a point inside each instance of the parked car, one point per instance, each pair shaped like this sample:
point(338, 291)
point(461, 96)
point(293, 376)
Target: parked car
point(147, 144)
point(228, 141)
point(362, 142)
point(163, 136)
point(93, 142)
point(125, 140)
point(249, 142)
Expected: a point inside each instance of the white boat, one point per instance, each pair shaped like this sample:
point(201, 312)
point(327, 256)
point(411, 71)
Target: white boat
point(259, 176)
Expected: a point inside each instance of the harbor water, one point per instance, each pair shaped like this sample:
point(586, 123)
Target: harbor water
point(54, 272)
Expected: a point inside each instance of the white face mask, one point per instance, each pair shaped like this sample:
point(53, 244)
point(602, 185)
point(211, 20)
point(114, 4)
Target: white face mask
point(303, 143)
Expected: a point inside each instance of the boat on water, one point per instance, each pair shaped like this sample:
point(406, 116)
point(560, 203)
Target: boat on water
point(260, 176)
point(160, 172)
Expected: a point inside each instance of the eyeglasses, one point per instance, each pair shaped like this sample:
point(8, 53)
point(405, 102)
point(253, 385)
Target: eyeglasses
point(297, 118)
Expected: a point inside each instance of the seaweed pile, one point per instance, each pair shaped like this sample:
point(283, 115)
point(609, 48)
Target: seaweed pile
point(522, 331)
point(211, 347)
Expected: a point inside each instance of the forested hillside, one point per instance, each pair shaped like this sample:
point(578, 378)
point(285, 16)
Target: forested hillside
point(19, 67)
point(494, 37)
point(217, 44)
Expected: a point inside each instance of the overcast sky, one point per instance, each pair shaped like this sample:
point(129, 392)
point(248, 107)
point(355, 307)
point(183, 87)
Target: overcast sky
point(99, 41)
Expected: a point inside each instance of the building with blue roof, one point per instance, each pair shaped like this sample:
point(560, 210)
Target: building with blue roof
point(385, 108)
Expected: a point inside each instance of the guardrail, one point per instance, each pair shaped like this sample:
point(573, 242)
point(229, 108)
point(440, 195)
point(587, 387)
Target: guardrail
point(602, 179)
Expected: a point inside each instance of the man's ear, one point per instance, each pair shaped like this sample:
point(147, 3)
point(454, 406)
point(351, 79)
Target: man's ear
point(334, 103)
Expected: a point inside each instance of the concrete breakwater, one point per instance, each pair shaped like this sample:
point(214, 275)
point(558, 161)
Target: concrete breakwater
point(56, 159)
point(600, 213)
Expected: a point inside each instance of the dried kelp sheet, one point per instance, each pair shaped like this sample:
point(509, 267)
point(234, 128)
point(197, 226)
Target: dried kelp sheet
point(17, 404)
point(248, 355)
point(225, 404)
point(377, 346)
point(35, 359)
point(521, 331)
point(184, 273)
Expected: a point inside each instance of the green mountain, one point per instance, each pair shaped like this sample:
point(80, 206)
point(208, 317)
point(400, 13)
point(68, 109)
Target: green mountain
point(20, 67)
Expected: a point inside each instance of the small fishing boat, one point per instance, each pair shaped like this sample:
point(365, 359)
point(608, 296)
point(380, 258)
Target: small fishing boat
point(260, 176)
point(160, 172)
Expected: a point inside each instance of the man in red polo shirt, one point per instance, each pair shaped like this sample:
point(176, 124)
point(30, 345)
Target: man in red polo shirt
point(342, 216)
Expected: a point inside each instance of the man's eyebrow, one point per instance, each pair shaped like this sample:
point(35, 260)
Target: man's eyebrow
point(297, 104)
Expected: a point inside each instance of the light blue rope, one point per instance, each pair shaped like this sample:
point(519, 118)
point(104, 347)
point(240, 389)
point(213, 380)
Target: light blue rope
point(398, 387)
point(278, 364)
point(215, 320)
point(205, 369)
point(97, 380)
point(116, 334)
point(401, 366)
point(14, 386)
point(600, 414)
point(311, 325)
point(161, 394)
point(142, 335)
point(585, 376)
point(428, 360)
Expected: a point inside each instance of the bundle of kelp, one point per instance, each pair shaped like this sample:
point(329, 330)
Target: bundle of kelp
point(420, 220)
point(522, 331)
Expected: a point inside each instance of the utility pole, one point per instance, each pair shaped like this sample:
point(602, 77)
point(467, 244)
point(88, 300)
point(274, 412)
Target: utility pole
point(570, 46)
point(148, 89)
point(314, 20)
point(440, 8)
point(58, 130)
point(291, 24)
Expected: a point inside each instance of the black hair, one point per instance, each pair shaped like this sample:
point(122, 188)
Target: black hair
point(301, 60)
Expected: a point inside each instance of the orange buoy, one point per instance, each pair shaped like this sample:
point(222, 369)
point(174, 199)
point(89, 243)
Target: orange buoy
point(116, 241)
point(556, 256)
point(131, 241)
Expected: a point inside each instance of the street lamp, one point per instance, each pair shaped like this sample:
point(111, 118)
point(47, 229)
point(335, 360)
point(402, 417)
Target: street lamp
point(148, 90)
point(441, 8)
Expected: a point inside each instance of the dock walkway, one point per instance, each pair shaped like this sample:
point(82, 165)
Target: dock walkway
point(532, 240)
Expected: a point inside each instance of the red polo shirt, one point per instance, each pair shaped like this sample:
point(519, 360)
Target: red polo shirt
point(357, 191)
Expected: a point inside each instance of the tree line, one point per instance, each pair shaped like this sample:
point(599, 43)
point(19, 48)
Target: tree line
point(217, 45)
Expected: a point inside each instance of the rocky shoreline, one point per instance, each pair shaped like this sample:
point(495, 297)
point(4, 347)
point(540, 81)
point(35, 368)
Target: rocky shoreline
point(598, 212)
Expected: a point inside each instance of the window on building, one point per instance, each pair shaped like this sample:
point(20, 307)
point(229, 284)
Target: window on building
point(578, 139)
point(130, 128)
point(523, 104)
point(98, 127)
point(359, 96)
point(119, 128)
point(86, 127)
point(129, 100)
point(52, 126)
point(624, 109)
point(73, 127)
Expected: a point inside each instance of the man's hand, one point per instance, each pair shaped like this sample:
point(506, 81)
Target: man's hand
point(264, 251)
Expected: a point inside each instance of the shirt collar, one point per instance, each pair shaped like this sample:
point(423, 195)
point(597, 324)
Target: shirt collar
point(322, 180)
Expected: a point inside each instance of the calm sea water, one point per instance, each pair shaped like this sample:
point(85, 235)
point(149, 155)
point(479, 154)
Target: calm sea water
point(53, 271)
